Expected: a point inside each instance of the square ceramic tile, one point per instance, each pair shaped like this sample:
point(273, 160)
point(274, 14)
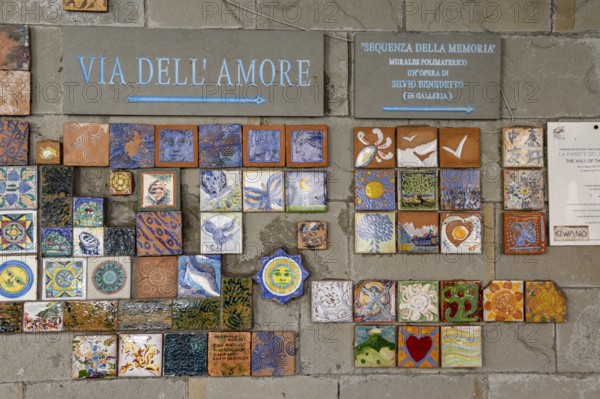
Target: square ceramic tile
point(417, 147)
point(145, 315)
point(42, 316)
point(374, 190)
point(220, 191)
point(461, 232)
point(48, 152)
point(156, 277)
point(263, 190)
point(418, 301)
point(159, 189)
point(56, 212)
point(273, 353)
point(545, 302)
point(140, 355)
point(263, 145)
point(18, 187)
point(159, 233)
point(56, 181)
point(90, 316)
point(64, 279)
point(14, 40)
point(88, 241)
point(524, 232)
point(417, 190)
point(375, 232)
point(418, 232)
point(119, 241)
point(503, 300)
point(109, 277)
point(18, 232)
point(306, 146)
point(461, 346)
point(460, 189)
point(221, 233)
point(176, 146)
point(523, 189)
point(86, 144)
point(11, 317)
point(306, 191)
point(460, 301)
point(83, 5)
point(199, 276)
point(16, 97)
point(120, 182)
point(220, 146)
point(194, 346)
point(374, 346)
point(375, 301)
point(88, 212)
point(131, 145)
point(18, 278)
point(459, 147)
point(197, 314)
point(523, 147)
point(229, 354)
point(374, 147)
point(56, 242)
point(94, 356)
point(418, 347)
point(237, 303)
point(312, 235)
point(332, 301)
point(14, 142)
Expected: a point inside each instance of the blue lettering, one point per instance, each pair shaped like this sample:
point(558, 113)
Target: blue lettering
point(141, 62)
point(163, 71)
point(262, 70)
point(285, 67)
point(303, 71)
point(245, 77)
point(117, 71)
point(224, 74)
point(194, 61)
point(177, 82)
point(86, 73)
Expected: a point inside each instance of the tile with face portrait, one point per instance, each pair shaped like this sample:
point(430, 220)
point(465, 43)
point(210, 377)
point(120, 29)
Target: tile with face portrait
point(176, 146)
point(159, 189)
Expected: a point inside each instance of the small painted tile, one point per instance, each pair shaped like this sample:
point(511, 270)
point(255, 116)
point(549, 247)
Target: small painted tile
point(524, 232)
point(331, 301)
point(120, 182)
point(417, 190)
point(221, 233)
point(374, 346)
point(199, 276)
point(185, 354)
point(86, 144)
point(545, 302)
point(306, 146)
point(375, 301)
point(461, 346)
point(418, 301)
point(159, 233)
point(312, 235)
point(461, 233)
point(523, 147)
point(14, 41)
point(460, 301)
point(523, 189)
point(503, 300)
point(56, 181)
point(18, 278)
point(57, 212)
point(140, 355)
point(90, 316)
point(56, 242)
point(197, 314)
point(88, 241)
point(281, 276)
point(159, 189)
point(306, 191)
point(156, 277)
point(263, 190)
point(88, 212)
point(11, 317)
point(460, 189)
point(109, 277)
point(374, 147)
point(374, 190)
point(64, 279)
point(459, 147)
point(418, 347)
point(417, 147)
point(119, 241)
point(418, 232)
point(16, 96)
point(237, 303)
point(273, 353)
point(18, 187)
point(131, 145)
point(176, 146)
point(263, 145)
point(220, 146)
point(145, 315)
point(220, 191)
point(14, 142)
point(229, 354)
point(84, 5)
point(375, 232)
point(42, 316)
point(94, 356)
point(48, 152)
point(18, 232)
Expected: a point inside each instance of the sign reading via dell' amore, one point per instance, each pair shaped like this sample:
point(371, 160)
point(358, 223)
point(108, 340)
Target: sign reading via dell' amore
point(131, 71)
point(427, 76)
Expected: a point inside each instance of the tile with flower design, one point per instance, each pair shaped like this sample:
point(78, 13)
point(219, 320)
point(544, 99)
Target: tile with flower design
point(545, 302)
point(417, 190)
point(18, 187)
point(119, 241)
point(86, 5)
point(460, 189)
point(88, 241)
point(523, 189)
point(220, 146)
point(503, 301)
point(57, 212)
point(306, 191)
point(14, 42)
point(375, 301)
point(48, 152)
point(145, 315)
point(229, 354)
point(312, 235)
point(460, 301)
point(418, 301)
point(417, 147)
point(156, 277)
point(42, 316)
point(263, 190)
point(374, 147)
point(90, 316)
point(159, 233)
point(120, 182)
point(86, 144)
point(374, 346)
point(64, 279)
point(56, 181)
point(523, 147)
point(196, 314)
point(94, 356)
point(16, 95)
point(418, 232)
point(14, 142)
point(185, 354)
point(374, 190)
point(18, 232)
point(273, 353)
point(131, 145)
point(331, 301)
point(220, 190)
point(18, 278)
point(109, 277)
point(461, 346)
point(524, 232)
point(375, 232)
point(418, 347)
point(56, 242)
point(140, 355)
point(461, 233)
point(11, 317)
point(88, 212)
point(459, 147)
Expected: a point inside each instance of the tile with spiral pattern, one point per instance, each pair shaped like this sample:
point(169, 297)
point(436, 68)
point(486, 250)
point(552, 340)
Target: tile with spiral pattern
point(86, 144)
point(273, 353)
point(185, 354)
point(159, 233)
point(14, 142)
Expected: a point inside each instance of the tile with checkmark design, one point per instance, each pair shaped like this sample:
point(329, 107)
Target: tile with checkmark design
point(459, 148)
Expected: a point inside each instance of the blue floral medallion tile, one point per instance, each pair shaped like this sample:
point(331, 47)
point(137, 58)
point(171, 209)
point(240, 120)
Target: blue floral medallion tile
point(199, 276)
point(56, 242)
point(306, 191)
point(18, 187)
point(64, 279)
point(88, 212)
point(374, 190)
point(185, 354)
point(131, 145)
point(220, 146)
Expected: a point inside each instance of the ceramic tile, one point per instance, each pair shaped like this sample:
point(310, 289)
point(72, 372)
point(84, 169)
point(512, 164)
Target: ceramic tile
point(237, 303)
point(460, 189)
point(42, 316)
point(220, 146)
point(185, 354)
point(503, 300)
point(14, 142)
point(220, 191)
point(374, 147)
point(263, 145)
point(524, 232)
point(263, 190)
point(18, 278)
point(375, 301)
point(461, 346)
point(176, 146)
point(140, 355)
point(14, 41)
point(145, 315)
point(306, 146)
point(523, 147)
point(18, 232)
point(374, 190)
point(221, 233)
point(459, 147)
point(374, 346)
point(523, 189)
point(199, 276)
point(84, 5)
point(229, 354)
point(86, 144)
point(461, 233)
point(312, 235)
point(109, 277)
point(18, 187)
point(94, 356)
point(273, 353)
point(56, 242)
point(418, 301)
point(159, 189)
point(418, 232)
point(120, 182)
point(306, 191)
point(90, 316)
point(375, 232)
point(56, 181)
point(460, 301)
point(16, 98)
point(156, 277)
point(417, 190)
point(88, 241)
point(417, 147)
point(281, 276)
point(56, 212)
point(131, 145)
point(119, 241)
point(418, 347)
point(331, 301)
point(48, 152)
point(197, 314)
point(88, 212)
point(64, 279)
point(545, 302)
point(11, 317)
point(159, 233)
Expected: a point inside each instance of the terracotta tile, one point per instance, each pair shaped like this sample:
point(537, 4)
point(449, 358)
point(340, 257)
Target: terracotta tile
point(229, 354)
point(90, 316)
point(176, 146)
point(312, 235)
point(375, 301)
point(48, 152)
point(16, 93)
point(374, 147)
point(86, 144)
point(263, 145)
point(306, 146)
point(14, 142)
point(503, 301)
point(461, 346)
point(418, 347)
point(159, 233)
point(460, 301)
point(120, 182)
point(273, 353)
point(374, 346)
point(417, 147)
point(459, 148)
point(14, 42)
point(156, 277)
point(418, 232)
point(545, 302)
point(85, 5)
point(524, 232)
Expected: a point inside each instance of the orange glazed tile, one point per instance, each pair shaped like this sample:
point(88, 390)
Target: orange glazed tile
point(503, 301)
point(228, 354)
point(86, 144)
point(544, 302)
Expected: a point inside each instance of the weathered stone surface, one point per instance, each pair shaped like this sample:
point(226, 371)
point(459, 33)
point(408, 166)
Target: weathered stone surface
point(200, 14)
point(148, 388)
point(47, 84)
point(297, 387)
point(11, 391)
point(576, 16)
point(270, 315)
point(532, 386)
point(336, 74)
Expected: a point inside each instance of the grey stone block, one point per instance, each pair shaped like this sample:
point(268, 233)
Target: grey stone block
point(141, 388)
point(46, 81)
point(576, 16)
point(336, 74)
point(296, 387)
point(270, 315)
point(11, 391)
point(200, 14)
point(536, 386)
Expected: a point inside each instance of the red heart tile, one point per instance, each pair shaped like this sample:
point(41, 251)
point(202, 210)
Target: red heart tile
point(418, 348)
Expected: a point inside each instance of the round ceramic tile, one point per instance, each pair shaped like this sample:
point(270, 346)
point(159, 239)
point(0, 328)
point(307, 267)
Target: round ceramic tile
point(109, 277)
point(16, 279)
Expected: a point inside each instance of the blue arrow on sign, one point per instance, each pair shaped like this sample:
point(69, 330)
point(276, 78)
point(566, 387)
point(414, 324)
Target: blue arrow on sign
point(258, 100)
point(467, 109)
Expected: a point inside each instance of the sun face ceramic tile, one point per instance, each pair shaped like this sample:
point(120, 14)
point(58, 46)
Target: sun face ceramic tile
point(221, 233)
point(120, 182)
point(159, 189)
point(86, 144)
point(312, 235)
point(94, 356)
point(220, 146)
point(524, 232)
point(374, 147)
point(306, 191)
point(11, 317)
point(131, 145)
point(418, 347)
point(503, 301)
point(273, 353)
point(185, 354)
point(459, 148)
point(14, 41)
point(417, 190)
point(156, 277)
point(375, 301)
point(88, 212)
point(306, 146)
point(56, 212)
point(523, 147)
point(461, 346)
point(197, 314)
point(460, 189)
point(374, 190)
point(56, 242)
point(523, 189)
point(18, 278)
point(229, 354)
point(281, 276)
point(159, 233)
point(42, 316)
point(460, 232)
point(220, 191)
point(375, 232)
point(109, 277)
point(16, 98)
point(83, 5)
point(237, 303)
point(90, 316)
point(331, 301)
point(48, 152)
point(418, 301)
point(119, 241)
point(374, 346)
point(14, 142)
point(18, 232)
point(88, 241)
point(56, 181)
point(199, 276)
point(64, 279)
point(145, 315)
point(417, 147)
point(460, 301)
point(176, 146)
point(418, 232)
point(18, 187)
point(140, 355)
point(263, 190)
point(545, 302)
point(263, 145)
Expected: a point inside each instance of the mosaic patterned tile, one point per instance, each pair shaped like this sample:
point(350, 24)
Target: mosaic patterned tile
point(221, 233)
point(145, 315)
point(312, 235)
point(503, 300)
point(18, 232)
point(229, 354)
point(524, 232)
point(18, 278)
point(523, 147)
point(64, 279)
point(197, 314)
point(94, 356)
point(263, 145)
point(176, 146)
point(418, 232)
point(159, 189)
point(109, 277)
point(306, 146)
point(459, 147)
point(545, 302)
point(237, 303)
point(120, 182)
point(263, 190)
point(281, 276)
point(460, 301)
point(375, 301)
point(42, 316)
point(374, 147)
point(119, 241)
point(14, 41)
point(18, 187)
point(90, 316)
point(461, 346)
point(48, 152)
point(461, 233)
point(374, 346)
point(56, 181)
point(84, 5)
point(199, 276)
point(417, 190)
point(185, 354)
point(156, 277)
point(14, 142)
point(56, 242)
point(523, 189)
point(273, 353)
point(140, 355)
point(88, 212)
point(131, 145)
point(460, 189)
point(11, 317)
point(159, 233)
point(57, 212)
point(17, 100)
point(88, 241)
point(417, 147)
point(86, 144)
point(418, 347)
point(331, 301)
point(374, 190)
point(306, 191)
point(220, 191)
point(375, 232)
point(418, 301)
point(220, 146)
